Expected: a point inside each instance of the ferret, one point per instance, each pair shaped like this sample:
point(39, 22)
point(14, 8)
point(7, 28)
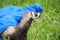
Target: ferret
point(19, 32)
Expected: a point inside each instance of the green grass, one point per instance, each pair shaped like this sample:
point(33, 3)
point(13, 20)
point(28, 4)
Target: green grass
point(47, 27)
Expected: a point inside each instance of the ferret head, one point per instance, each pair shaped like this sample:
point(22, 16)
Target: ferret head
point(35, 15)
point(30, 15)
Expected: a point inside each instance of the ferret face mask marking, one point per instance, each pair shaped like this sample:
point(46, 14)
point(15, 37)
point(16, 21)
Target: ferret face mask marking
point(35, 15)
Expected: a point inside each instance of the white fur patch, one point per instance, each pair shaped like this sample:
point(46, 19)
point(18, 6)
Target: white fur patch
point(33, 15)
point(38, 14)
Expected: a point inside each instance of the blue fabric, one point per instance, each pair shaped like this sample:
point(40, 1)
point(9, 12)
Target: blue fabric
point(11, 15)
